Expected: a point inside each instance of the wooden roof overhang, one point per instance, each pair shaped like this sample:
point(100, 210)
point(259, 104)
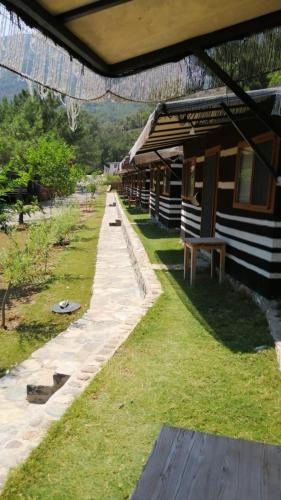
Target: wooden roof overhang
point(120, 37)
point(141, 161)
point(174, 123)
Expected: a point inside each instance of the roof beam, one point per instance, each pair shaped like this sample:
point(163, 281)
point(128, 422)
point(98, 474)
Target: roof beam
point(86, 10)
point(249, 141)
point(245, 98)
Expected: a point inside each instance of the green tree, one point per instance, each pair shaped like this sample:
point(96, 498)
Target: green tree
point(52, 162)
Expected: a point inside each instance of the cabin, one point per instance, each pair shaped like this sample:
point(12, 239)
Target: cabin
point(155, 180)
point(230, 182)
point(111, 168)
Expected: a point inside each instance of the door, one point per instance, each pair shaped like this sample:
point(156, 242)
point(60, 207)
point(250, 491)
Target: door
point(209, 195)
point(158, 190)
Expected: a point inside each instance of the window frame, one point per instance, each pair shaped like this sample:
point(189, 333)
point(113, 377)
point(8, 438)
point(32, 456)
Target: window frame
point(188, 161)
point(259, 139)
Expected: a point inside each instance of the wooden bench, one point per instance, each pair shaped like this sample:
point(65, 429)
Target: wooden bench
point(132, 201)
point(189, 465)
point(192, 245)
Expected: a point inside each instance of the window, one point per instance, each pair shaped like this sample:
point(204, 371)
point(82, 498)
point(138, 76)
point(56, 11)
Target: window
point(188, 178)
point(166, 181)
point(254, 186)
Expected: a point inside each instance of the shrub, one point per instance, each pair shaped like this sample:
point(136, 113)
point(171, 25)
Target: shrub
point(63, 223)
point(40, 241)
point(19, 267)
point(110, 179)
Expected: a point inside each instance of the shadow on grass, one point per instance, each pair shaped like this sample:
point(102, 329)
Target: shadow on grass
point(35, 330)
point(230, 317)
point(152, 231)
point(25, 293)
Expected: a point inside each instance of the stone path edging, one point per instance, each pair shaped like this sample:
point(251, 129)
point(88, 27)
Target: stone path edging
point(146, 277)
point(115, 309)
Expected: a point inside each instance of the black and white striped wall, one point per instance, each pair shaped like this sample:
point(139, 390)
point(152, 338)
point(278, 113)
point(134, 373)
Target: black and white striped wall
point(170, 204)
point(144, 197)
point(253, 252)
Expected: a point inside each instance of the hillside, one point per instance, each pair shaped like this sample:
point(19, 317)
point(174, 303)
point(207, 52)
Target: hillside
point(10, 84)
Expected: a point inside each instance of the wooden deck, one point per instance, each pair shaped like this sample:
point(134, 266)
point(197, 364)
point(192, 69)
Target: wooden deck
point(189, 465)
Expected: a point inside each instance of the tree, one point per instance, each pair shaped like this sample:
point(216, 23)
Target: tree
point(52, 163)
point(23, 209)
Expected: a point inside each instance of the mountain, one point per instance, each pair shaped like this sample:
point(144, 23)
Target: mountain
point(10, 84)
point(105, 111)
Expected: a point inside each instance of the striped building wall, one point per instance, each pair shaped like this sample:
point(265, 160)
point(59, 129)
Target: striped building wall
point(170, 204)
point(145, 191)
point(253, 253)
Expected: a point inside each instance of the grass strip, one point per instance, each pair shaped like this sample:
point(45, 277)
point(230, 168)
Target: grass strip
point(72, 276)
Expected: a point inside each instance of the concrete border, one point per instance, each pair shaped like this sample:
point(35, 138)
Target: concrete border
point(147, 280)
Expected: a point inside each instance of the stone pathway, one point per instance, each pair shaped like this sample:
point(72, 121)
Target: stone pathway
point(124, 288)
point(52, 209)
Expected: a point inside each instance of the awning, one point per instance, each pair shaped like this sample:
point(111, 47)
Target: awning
point(119, 37)
point(173, 123)
point(146, 158)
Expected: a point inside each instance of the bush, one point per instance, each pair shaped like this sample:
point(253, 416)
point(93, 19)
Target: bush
point(110, 179)
point(91, 188)
point(63, 223)
point(40, 240)
point(20, 266)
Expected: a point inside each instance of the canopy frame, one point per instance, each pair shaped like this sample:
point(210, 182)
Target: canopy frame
point(249, 141)
point(237, 90)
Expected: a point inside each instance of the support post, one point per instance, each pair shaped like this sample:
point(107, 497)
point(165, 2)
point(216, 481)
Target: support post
point(245, 98)
point(249, 141)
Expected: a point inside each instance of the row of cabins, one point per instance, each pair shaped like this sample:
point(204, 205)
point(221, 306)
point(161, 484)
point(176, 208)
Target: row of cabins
point(193, 168)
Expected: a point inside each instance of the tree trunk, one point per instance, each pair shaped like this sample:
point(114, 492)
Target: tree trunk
point(5, 298)
point(21, 218)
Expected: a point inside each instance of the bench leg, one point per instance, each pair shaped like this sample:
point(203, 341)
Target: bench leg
point(212, 263)
point(222, 264)
point(193, 266)
point(185, 262)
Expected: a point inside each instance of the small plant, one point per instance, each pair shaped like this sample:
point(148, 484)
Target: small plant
point(23, 209)
point(92, 187)
point(40, 241)
point(5, 218)
point(110, 179)
point(18, 268)
point(63, 223)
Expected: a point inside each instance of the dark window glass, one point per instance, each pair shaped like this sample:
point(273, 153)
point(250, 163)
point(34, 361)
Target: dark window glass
point(245, 166)
point(262, 178)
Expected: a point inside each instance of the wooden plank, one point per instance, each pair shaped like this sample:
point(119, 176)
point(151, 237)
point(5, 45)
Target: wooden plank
point(189, 465)
point(204, 241)
point(148, 482)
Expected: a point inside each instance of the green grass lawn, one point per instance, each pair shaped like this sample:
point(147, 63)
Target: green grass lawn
point(189, 363)
point(72, 276)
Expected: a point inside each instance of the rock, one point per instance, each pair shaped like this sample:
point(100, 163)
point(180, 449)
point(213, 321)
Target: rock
point(14, 444)
point(83, 376)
